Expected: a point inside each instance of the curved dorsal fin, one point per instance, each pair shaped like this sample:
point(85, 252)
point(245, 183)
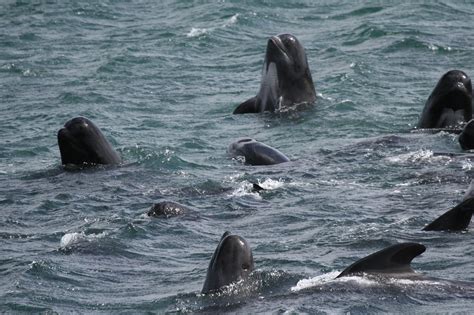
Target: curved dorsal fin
point(393, 259)
point(458, 218)
point(249, 106)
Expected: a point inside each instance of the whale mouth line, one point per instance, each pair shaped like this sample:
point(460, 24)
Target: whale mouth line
point(276, 41)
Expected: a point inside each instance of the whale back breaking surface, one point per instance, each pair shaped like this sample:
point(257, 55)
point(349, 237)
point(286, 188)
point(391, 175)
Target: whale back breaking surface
point(256, 153)
point(457, 218)
point(394, 260)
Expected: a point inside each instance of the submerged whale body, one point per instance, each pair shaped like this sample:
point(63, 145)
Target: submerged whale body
point(232, 261)
point(450, 103)
point(457, 218)
point(286, 78)
point(256, 153)
point(81, 142)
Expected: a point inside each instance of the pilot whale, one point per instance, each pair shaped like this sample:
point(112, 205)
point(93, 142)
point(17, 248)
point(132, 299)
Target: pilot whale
point(450, 103)
point(81, 142)
point(232, 261)
point(286, 78)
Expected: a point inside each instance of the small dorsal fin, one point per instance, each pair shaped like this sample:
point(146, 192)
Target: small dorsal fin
point(249, 106)
point(257, 187)
point(458, 218)
point(393, 259)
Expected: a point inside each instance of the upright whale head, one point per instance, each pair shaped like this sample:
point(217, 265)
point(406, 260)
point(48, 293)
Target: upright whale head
point(81, 142)
point(450, 103)
point(286, 78)
point(232, 261)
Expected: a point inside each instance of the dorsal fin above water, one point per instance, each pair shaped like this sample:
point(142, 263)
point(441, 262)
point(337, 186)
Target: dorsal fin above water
point(249, 106)
point(458, 218)
point(393, 259)
point(257, 187)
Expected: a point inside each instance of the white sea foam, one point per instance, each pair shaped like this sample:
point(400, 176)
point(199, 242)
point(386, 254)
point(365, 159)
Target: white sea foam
point(232, 20)
point(331, 277)
point(196, 31)
point(419, 156)
point(466, 165)
point(69, 239)
point(270, 184)
point(312, 282)
point(246, 188)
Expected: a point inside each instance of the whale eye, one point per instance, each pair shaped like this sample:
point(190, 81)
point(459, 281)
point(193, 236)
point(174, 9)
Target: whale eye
point(245, 266)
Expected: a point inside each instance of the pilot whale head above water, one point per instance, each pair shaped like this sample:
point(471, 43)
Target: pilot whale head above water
point(286, 78)
point(450, 103)
point(256, 153)
point(232, 261)
point(81, 142)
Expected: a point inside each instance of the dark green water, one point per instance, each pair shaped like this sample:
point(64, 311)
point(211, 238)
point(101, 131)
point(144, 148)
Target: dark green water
point(161, 80)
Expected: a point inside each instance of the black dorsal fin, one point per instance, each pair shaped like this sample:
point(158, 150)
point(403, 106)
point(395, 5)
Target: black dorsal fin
point(458, 218)
point(257, 187)
point(249, 106)
point(393, 259)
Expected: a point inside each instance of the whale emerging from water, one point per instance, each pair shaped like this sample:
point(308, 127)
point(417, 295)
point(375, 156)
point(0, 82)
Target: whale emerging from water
point(256, 153)
point(167, 209)
point(450, 103)
point(457, 218)
point(466, 137)
point(232, 261)
point(286, 78)
point(393, 261)
point(81, 142)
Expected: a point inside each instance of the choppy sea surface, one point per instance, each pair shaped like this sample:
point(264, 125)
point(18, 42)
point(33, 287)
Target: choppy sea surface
point(161, 79)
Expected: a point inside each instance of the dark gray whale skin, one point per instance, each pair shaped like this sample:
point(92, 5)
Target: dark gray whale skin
point(167, 209)
point(450, 103)
point(232, 261)
point(457, 218)
point(466, 137)
point(286, 78)
point(81, 142)
point(393, 261)
point(256, 153)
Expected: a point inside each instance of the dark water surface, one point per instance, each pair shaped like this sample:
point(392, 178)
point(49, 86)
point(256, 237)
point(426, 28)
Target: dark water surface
point(161, 79)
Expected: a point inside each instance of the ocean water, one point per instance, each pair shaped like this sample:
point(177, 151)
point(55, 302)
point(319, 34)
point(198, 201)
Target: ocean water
point(161, 79)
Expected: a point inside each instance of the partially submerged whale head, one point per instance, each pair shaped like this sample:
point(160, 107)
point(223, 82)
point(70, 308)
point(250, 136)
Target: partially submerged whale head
point(393, 261)
point(167, 209)
point(255, 152)
point(232, 261)
point(81, 142)
point(450, 103)
point(286, 78)
point(466, 137)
